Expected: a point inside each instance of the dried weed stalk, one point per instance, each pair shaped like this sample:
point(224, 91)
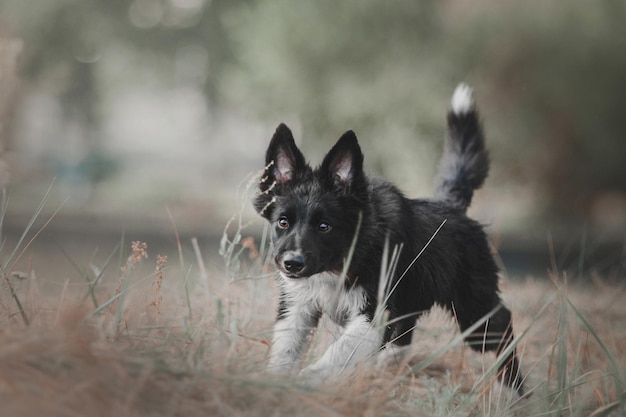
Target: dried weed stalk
point(161, 261)
point(139, 252)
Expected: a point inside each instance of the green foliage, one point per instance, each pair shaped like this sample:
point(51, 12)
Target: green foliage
point(549, 76)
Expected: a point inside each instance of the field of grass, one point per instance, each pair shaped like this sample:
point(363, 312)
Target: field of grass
point(142, 334)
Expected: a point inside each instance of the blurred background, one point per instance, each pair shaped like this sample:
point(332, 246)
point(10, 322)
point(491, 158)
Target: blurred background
point(141, 114)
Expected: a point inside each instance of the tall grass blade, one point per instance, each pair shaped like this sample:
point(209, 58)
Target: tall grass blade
point(179, 246)
point(4, 205)
point(561, 358)
point(348, 261)
point(388, 270)
point(500, 360)
point(121, 260)
point(611, 408)
point(417, 256)
point(618, 373)
point(264, 251)
point(93, 284)
point(20, 308)
point(82, 273)
point(12, 258)
point(204, 276)
point(457, 340)
point(187, 296)
point(18, 251)
point(119, 312)
point(116, 297)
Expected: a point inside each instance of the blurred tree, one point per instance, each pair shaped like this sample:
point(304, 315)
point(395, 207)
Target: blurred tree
point(67, 39)
point(331, 66)
point(549, 75)
point(565, 68)
point(552, 75)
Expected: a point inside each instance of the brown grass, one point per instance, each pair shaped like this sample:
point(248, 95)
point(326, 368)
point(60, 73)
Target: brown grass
point(163, 361)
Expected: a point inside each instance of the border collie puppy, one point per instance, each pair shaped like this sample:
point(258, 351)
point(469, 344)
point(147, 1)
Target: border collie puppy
point(333, 225)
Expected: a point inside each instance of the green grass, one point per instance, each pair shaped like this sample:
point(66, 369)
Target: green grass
point(115, 341)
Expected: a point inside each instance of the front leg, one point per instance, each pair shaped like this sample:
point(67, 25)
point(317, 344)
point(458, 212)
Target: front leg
point(359, 341)
point(291, 335)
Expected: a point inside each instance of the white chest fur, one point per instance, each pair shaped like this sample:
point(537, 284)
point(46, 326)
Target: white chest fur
point(305, 299)
point(325, 293)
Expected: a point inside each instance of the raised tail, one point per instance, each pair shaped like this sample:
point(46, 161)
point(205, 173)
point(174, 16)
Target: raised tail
point(465, 161)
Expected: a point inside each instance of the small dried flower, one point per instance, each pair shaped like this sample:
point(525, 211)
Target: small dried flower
point(140, 251)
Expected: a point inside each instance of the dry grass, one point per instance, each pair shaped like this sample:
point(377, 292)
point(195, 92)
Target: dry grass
point(170, 340)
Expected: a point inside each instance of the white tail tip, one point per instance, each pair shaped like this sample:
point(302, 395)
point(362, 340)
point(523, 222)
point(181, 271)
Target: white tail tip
point(462, 99)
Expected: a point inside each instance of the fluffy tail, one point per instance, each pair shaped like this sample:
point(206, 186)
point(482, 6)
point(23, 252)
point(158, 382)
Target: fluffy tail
point(465, 161)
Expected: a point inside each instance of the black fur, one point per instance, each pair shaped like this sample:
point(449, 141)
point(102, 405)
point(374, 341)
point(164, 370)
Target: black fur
point(315, 214)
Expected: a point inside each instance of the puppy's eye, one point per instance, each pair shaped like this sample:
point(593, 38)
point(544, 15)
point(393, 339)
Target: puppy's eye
point(283, 223)
point(324, 227)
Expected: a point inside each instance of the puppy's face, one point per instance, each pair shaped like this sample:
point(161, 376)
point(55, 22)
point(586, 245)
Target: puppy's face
point(313, 213)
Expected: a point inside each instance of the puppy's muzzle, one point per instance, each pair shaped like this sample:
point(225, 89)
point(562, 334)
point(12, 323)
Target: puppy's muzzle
point(293, 264)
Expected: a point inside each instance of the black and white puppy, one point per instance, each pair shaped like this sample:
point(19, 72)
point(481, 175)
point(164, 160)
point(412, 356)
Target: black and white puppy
point(330, 227)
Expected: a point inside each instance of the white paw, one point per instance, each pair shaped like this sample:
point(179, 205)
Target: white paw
point(314, 375)
point(462, 101)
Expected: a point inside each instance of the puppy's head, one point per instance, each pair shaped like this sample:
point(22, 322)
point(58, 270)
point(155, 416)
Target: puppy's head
point(313, 213)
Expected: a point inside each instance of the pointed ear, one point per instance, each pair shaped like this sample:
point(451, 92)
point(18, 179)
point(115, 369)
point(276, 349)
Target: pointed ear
point(344, 162)
point(283, 160)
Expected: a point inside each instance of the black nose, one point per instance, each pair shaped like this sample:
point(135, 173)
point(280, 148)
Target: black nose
point(293, 262)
